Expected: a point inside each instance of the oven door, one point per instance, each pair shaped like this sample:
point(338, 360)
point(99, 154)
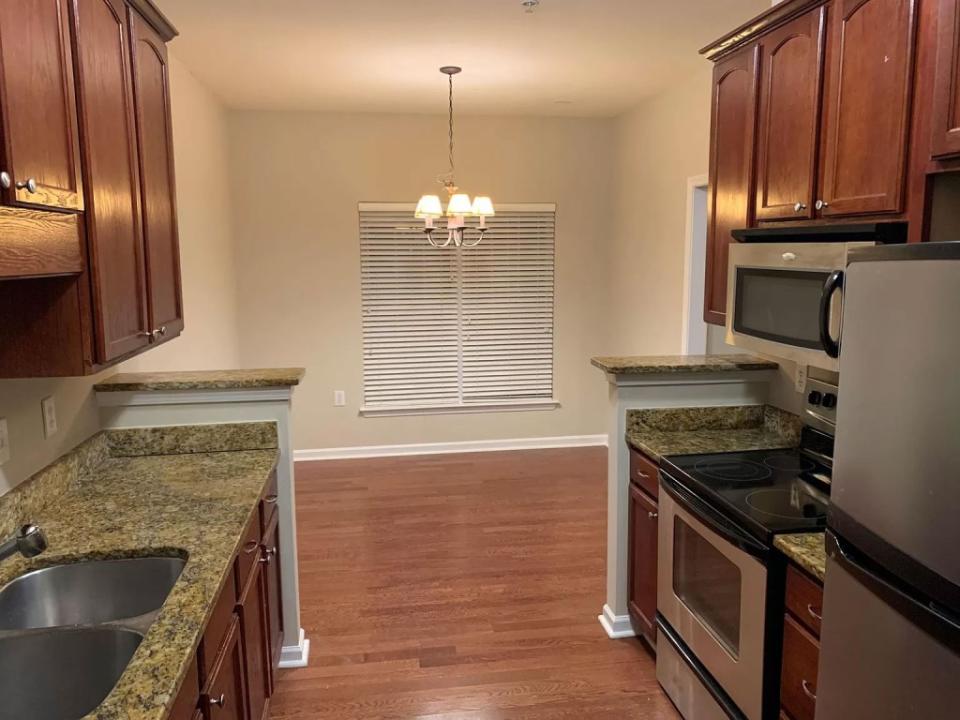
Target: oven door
point(780, 297)
point(712, 590)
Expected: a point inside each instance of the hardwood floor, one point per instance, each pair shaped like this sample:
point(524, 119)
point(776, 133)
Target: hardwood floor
point(460, 587)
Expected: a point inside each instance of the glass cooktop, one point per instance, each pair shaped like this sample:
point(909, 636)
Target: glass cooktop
point(768, 492)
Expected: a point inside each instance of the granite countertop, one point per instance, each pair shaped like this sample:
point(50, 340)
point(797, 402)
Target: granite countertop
point(656, 364)
point(806, 550)
point(202, 380)
point(659, 432)
point(194, 505)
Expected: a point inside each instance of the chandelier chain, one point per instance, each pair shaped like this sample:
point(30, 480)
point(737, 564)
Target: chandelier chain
point(450, 78)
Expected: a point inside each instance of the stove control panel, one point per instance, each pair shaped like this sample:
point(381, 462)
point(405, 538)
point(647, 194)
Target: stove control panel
point(821, 403)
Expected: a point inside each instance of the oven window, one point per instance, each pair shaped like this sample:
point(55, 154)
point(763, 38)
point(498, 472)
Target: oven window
point(708, 584)
point(779, 305)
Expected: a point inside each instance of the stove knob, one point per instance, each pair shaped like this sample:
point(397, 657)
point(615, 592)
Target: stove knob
point(814, 397)
point(829, 401)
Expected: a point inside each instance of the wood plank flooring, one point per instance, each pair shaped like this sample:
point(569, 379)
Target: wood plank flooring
point(460, 587)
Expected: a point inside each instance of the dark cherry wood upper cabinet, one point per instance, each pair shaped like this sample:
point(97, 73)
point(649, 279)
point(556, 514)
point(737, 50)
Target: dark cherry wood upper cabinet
point(642, 563)
point(791, 59)
point(732, 141)
point(867, 114)
point(946, 91)
point(38, 111)
point(111, 174)
point(151, 91)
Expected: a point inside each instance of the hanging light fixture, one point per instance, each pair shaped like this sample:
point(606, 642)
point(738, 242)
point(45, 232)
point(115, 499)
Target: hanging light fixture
point(459, 205)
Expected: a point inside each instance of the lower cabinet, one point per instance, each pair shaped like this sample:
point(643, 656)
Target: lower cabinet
point(642, 550)
point(801, 646)
point(233, 674)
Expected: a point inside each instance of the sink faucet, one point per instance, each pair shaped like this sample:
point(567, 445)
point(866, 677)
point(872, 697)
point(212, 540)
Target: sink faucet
point(29, 542)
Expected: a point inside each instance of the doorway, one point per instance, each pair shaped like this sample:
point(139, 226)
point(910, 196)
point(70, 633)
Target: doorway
point(694, 341)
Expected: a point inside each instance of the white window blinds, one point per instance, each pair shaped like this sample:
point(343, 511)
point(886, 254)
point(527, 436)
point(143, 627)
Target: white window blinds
point(457, 328)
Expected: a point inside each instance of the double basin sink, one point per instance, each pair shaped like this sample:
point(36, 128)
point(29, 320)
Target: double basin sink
point(68, 632)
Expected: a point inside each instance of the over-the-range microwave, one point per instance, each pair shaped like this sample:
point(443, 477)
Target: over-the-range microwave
point(785, 288)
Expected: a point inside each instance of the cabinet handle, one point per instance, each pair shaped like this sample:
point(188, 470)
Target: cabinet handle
point(147, 334)
point(162, 330)
point(251, 546)
point(800, 207)
point(653, 515)
point(5, 180)
point(221, 701)
point(270, 499)
point(642, 474)
point(789, 256)
point(812, 611)
point(807, 691)
point(30, 185)
point(268, 554)
point(821, 204)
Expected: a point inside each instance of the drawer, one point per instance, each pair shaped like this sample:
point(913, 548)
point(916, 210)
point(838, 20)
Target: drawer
point(645, 473)
point(804, 599)
point(247, 555)
point(798, 679)
point(217, 626)
point(268, 505)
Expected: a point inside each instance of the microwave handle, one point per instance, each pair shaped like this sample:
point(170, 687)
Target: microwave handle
point(834, 282)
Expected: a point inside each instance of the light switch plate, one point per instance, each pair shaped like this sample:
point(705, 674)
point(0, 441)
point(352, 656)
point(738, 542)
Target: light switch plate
point(49, 410)
point(4, 441)
point(339, 398)
point(800, 381)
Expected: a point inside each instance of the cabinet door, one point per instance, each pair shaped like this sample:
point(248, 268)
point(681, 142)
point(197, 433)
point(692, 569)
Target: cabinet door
point(256, 640)
point(868, 106)
point(38, 111)
point(642, 551)
point(151, 92)
point(271, 551)
point(108, 140)
point(946, 98)
point(224, 697)
point(792, 62)
point(732, 139)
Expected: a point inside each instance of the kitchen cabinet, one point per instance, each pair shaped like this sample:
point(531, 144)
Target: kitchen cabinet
point(185, 705)
point(732, 142)
point(256, 642)
point(224, 695)
point(946, 87)
point(801, 645)
point(642, 551)
point(274, 599)
point(867, 113)
point(38, 113)
point(791, 58)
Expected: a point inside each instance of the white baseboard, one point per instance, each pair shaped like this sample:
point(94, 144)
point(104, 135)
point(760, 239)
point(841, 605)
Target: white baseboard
point(296, 656)
point(617, 626)
point(371, 451)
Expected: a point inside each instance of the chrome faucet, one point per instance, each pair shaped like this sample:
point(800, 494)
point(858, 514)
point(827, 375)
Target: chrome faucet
point(29, 542)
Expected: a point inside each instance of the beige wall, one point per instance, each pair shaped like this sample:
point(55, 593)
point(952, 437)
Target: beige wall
point(209, 291)
point(297, 180)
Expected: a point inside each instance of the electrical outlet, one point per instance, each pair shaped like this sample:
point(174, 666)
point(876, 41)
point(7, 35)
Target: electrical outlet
point(49, 409)
point(4, 441)
point(800, 381)
point(339, 398)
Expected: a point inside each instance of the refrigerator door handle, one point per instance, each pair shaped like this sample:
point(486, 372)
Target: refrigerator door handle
point(833, 283)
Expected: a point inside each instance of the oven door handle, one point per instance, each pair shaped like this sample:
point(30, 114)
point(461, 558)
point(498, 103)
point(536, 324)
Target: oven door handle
point(713, 519)
point(833, 283)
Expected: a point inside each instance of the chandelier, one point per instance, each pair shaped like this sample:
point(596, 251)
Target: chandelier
point(459, 206)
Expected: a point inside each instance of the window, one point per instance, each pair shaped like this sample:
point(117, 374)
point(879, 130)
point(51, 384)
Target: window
point(450, 329)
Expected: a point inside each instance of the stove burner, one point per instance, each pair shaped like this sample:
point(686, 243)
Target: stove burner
point(789, 462)
point(733, 470)
point(792, 504)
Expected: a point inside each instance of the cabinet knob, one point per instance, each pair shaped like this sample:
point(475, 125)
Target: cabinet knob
point(218, 701)
point(5, 180)
point(821, 204)
point(805, 685)
point(30, 185)
point(268, 554)
point(653, 515)
point(800, 207)
point(789, 256)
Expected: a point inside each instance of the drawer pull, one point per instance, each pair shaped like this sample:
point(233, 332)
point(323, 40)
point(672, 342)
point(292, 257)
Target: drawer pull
point(642, 474)
point(653, 515)
point(268, 554)
point(270, 499)
point(250, 546)
point(812, 611)
point(220, 702)
point(807, 691)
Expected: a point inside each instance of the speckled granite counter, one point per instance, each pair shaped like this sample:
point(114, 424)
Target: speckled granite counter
point(93, 504)
point(202, 380)
point(659, 364)
point(806, 550)
point(680, 431)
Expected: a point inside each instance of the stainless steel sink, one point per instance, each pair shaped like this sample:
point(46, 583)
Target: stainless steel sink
point(87, 593)
point(61, 674)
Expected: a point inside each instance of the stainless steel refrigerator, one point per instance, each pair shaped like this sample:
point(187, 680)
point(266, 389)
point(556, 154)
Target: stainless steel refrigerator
point(891, 623)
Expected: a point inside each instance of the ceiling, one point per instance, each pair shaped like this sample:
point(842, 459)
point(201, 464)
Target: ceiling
point(568, 57)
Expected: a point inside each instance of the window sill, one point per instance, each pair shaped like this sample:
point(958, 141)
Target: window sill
point(522, 406)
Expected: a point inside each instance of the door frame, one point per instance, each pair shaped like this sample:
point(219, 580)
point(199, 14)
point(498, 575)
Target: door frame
point(693, 340)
